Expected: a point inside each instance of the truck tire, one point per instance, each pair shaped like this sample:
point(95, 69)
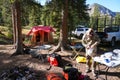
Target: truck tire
point(113, 42)
point(81, 35)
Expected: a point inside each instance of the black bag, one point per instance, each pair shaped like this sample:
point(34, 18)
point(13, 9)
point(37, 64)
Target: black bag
point(26, 51)
point(54, 60)
point(72, 73)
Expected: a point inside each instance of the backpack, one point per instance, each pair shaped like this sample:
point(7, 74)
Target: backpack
point(70, 73)
point(54, 60)
point(54, 76)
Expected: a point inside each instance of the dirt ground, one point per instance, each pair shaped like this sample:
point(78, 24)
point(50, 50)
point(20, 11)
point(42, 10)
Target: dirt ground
point(7, 62)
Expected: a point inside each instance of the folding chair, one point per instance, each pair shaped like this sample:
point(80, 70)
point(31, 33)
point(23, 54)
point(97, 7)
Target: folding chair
point(76, 49)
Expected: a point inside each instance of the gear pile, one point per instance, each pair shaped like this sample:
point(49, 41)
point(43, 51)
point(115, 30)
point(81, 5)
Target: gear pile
point(18, 73)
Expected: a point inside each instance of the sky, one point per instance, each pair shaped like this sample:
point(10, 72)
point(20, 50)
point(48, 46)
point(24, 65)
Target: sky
point(113, 5)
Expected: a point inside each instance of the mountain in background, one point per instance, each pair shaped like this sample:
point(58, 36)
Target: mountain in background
point(100, 10)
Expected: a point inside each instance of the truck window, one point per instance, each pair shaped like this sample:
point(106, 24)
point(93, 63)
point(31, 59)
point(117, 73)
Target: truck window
point(116, 29)
point(86, 29)
point(112, 29)
point(109, 29)
point(80, 29)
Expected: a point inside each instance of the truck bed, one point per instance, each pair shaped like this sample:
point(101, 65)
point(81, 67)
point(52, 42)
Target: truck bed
point(101, 35)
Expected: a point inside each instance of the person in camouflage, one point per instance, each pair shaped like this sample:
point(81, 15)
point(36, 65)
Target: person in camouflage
point(90, 40)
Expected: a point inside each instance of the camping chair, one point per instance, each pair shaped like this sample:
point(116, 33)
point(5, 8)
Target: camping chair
point(76, 49)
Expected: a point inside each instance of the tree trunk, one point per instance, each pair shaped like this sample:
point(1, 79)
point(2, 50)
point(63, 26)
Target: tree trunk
point(18, 29)
point(63, 30)
point(13, 23)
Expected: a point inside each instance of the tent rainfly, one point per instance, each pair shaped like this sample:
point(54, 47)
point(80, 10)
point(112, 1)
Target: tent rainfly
point(41, 34)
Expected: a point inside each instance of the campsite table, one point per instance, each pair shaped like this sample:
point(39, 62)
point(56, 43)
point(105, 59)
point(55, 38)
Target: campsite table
point(43, 47)
point(112, 64)
point(76, 49)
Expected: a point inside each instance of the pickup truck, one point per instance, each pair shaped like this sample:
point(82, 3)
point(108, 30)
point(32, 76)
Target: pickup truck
point(110, 35)
point(79, 31)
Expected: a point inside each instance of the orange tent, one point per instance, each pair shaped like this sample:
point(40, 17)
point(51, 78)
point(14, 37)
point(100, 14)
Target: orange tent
point(41, 34)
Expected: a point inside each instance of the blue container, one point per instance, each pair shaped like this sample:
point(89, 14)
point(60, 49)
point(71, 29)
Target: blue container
point(107, 60)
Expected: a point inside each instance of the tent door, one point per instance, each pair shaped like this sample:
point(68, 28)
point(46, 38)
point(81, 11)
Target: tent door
point(45, 37)
point(38, 37)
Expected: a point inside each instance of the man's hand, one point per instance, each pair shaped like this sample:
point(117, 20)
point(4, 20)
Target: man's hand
point(88, 47)
point(88, 57)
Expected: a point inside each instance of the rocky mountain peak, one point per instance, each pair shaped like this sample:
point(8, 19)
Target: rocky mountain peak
point(101, 10)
